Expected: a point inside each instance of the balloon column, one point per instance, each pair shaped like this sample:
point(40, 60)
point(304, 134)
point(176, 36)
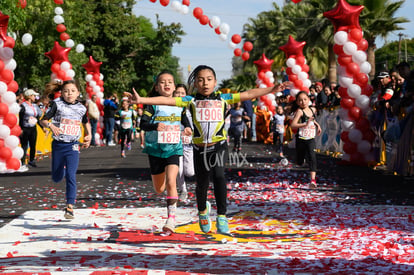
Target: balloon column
point(265, 79)
point(297, 70)
point(353, 69)
point(94, 86)
point(10, 152)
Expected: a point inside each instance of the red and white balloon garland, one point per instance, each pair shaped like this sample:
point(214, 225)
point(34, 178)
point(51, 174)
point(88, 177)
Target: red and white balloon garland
point(297, 69)
point(94, 86)
point(10, 152)
point(353, 69)
point(265, 79)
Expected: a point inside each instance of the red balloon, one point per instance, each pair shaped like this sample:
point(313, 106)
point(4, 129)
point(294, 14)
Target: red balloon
point(61, 28)
point(298, 84)
point(5, 153)
point(217, 30)
point(153, 1)
point(58, 53)
point(293, 77)
point(204, 19)
point(344, 136)
point(22, 4)
point(186, 2)
point(369, 135)
point(349, 147)
point(236, 38)
point(16, 131)
point(58, 2)
point(362, 45)
point(354, 113)
point(338, 49)
point(293, 47)
point(9, 42)
point(4, 109)
point(64, 36)
point(352, 68)
point(1, 143)
point(247, 46)
point(263, 64)
point(1, 65)
point(92, 66)
point(197, 12)
point(305, 68)
point(13, 86)
point(55, 68)
point(343, 92)
point(363, 124)
point(355, 35)
point(237, 52)
point(347, 103)
point(368, 89)
point(344, 15)
point(164, 2)
point(6, 76)
point(261, 75)
point(300, 60)
point(10, 120)
point(61, 74)
point(289, 71)
point(245, 56)
point(357, 158)
point(13, 164)
point(344, 59)
point(361, 79)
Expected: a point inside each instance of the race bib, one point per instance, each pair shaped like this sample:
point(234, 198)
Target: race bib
point(70, 127)
point(32, 120)
point(209, 111)
point(126, 125)
point(186, 139)
point(280, 128)
point(171, 135)
point(308, 132)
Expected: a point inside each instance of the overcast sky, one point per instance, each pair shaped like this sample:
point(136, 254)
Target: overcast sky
point(201, 45)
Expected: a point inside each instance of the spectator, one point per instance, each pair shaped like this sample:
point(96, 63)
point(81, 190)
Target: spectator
point(93, 115)
point(110, 107)
point(247, 106)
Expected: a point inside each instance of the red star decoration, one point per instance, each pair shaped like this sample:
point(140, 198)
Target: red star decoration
point(58, 54)
point(92, 66)
point(4, 22)
point(293, 47)
point(263, 64)
point(344, 16)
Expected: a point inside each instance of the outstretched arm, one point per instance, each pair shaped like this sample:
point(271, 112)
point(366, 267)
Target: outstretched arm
point(158, 100)
point(258, 92)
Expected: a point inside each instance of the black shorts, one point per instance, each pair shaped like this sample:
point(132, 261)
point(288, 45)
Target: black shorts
point(157, 165)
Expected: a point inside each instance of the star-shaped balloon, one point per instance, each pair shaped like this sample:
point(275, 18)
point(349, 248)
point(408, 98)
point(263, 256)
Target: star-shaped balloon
point(263, 64)
point(4, 22)
point(58, 54)
point(293, 47)
point(92, 66)
point(344, 16)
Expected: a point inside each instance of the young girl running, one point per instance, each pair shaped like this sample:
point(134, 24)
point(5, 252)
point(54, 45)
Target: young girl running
point(278, 129)
point(304, 121)
point(163, 144)
point(67, 114)
point(207, 108)
point(126, 119)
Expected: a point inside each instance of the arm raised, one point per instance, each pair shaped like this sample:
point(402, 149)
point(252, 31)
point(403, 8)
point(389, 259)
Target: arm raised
point(258, 92)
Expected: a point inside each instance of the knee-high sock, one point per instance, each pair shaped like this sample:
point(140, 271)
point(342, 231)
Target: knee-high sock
point(172, 206)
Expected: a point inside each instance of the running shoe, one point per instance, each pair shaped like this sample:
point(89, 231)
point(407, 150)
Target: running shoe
point(129, 146)
point(142, 146)
point(69, 213)
point(123, 154)
point(204, 220)
point(23, 168)
point(169, 225)
point(222, 224)
point(312, 184)
point(183, 196)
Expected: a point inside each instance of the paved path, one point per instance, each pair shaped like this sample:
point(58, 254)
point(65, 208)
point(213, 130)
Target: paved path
point(358, 220)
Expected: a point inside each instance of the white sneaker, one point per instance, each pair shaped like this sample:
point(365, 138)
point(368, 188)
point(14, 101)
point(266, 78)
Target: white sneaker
point(23, 168)
point(111, 143)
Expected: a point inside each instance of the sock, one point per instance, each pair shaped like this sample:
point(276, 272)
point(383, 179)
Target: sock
point(172, 206)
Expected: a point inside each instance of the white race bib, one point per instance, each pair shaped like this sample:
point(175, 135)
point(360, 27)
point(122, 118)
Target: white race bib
point(171, 135)
point(70, 127)
point(209, 111)
point(308, 132)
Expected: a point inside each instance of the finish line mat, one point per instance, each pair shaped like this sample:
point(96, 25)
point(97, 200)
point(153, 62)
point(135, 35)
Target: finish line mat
point(267, 238)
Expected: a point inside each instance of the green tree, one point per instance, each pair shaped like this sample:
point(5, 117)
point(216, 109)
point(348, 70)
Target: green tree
point(386, 57)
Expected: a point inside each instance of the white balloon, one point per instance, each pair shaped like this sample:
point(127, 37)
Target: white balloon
point(223, 37)
point(294, 92)
point(290, 62)
point(10, 64)
point(64, 66)
point(303, 75)
point(70, 73)
point(296, 69)
point(362, 102)
point(350, 48)
point(224, 28)
point(69, 43)
point(345, 81)
point(364, 147)
point(272, 79)
point(262, 86)
point(184, 9)
point(1, 43)
point(11, 142)
point(96, 89)
point(8, 97)
point(269, 74)
point(12, 34)
point(3, 87)
point(347, 124)
point(100, 94)
point(355, 135)
point(271, 96)
point(58, 11)
point(80, 48)
point(365, 67)
point(4, 131)
point(359, 57)
point(88, 77)
point(14, 108)
point(58, 19)
point(17, 152)
point(175, 5)
point(215, 21)
point(232, 45)
point(307, 83)
point(3, 167)
point(6, 53)
point(101, 76)
point(92, 83)
point(27, 39)
point(354, 90)
point(340, 37)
